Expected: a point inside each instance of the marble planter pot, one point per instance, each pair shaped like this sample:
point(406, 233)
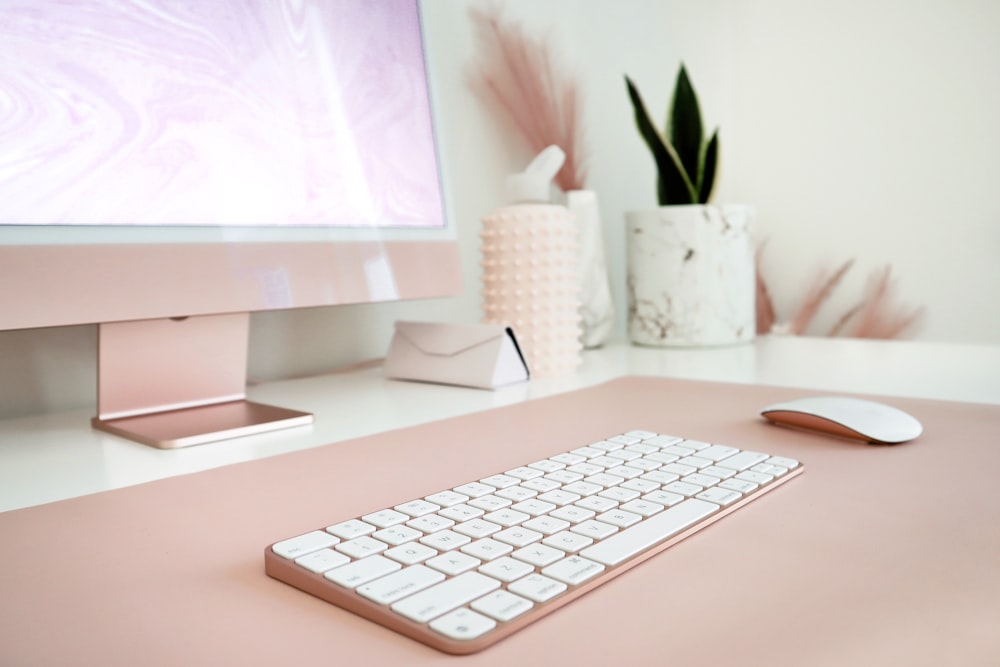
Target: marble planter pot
point(690, 278)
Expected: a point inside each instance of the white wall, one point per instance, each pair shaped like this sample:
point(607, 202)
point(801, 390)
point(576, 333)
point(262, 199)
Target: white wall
point(859, 128)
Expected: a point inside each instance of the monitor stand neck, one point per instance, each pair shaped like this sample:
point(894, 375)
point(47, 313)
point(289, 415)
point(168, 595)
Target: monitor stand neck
point(181, 381)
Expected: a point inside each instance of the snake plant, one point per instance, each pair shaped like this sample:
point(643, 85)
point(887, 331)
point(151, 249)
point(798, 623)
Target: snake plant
point(685, 162)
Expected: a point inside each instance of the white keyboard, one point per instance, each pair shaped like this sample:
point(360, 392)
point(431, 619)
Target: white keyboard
point(465, 567)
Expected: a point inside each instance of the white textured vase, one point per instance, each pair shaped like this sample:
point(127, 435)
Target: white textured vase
point(691, 275)
point(531, 283)
point(597, 310)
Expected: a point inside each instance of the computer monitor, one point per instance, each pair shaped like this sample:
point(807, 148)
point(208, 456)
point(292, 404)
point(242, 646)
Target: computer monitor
point(168, 168)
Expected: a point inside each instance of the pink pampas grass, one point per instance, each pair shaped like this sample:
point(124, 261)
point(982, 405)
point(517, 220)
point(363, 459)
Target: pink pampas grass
point(518, 76)
point(875, 315)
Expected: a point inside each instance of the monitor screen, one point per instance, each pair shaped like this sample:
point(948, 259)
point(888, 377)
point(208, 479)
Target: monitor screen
point(171, 167)
point(225, 113)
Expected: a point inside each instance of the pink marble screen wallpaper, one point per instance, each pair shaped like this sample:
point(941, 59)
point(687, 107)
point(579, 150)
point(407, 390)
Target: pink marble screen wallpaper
point(221, 112)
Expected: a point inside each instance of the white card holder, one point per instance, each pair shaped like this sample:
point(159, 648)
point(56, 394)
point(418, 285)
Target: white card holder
point(485, 356)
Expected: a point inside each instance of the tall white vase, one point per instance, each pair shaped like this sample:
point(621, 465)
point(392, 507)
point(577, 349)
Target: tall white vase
point(597, 310)
point(691, 275)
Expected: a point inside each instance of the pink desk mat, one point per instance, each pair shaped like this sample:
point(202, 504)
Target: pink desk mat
point(875, 556)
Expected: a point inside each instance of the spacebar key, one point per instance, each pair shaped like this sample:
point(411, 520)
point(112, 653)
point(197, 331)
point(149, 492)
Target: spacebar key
point(629, 542)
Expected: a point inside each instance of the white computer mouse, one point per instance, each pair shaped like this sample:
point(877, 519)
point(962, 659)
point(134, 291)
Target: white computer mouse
point(844, 416)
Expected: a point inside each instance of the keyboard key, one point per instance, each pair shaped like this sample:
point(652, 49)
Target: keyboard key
point(417, 508)
point(491, 502)
point(595, 529)
point(410, 553)
point(683, 488)
point(559, 497)
point(518, 536)
point(568, 541)
point(541, 484)
point(539, 555)
point(385, 518)
point(474, 489)
point(463, 624)
point(564, 476)
point(662, 440)
point(500, 481)
point(350, 529)
point(546, 524)
point(397, 585)
point(665, 498)
point(360, 547)
point(651, 532)
point(588, 452)
point(743, 460)
point(627, 472)
point(700, 479)
point(573, 570)
point(717, 452)
point(516, 493)
point(430, 523)
point(619, 494)
point(507, 517)
point(596, 503)
point(526, 472)
point(547, 465)
point(534, 507)
point(720, 496)
point(718, 471)
point(640, 485)
point(740, 485)
point(696, 461)
point(572, 513)
point(585, 468)
point(362, 571)
point(620, 518)
point(537, 587)
point(445, 540)
point(486, 549)
point(506, 569)
point(696, 445)
point(303, 544)
point(322, 560)
point(446, 498)
point(642, 507)
point(568, 458)
point(784, 462)
point(461, 512)
point(583, 488)
point(502, 605)
point(755, 477)
point(476, 528)
point(452, 563)
point(661, 476)
point(442, 598)
point(397, 534)
point(769, 469)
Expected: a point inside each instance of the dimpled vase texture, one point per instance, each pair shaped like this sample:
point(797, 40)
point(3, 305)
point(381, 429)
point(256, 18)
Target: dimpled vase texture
point(531, 283)
point(690, 275)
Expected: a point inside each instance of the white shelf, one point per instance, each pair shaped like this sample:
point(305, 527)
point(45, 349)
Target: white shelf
point(52, 457)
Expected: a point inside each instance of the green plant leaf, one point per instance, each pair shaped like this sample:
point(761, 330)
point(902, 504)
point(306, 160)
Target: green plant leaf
point(706, 180)
point(684, 123)
point(673, 184)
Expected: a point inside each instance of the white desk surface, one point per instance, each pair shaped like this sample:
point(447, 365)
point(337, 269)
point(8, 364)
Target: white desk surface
point(51, 457)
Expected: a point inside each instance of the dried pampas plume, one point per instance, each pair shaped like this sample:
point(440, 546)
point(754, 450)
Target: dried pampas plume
point(876, 315)
point(516, 75)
